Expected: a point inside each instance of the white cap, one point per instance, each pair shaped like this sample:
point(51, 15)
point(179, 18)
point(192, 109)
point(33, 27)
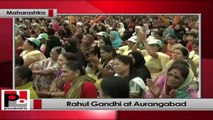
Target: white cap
point(133, 39)
point(100, 33)
point(79, 23)
point(155, 41)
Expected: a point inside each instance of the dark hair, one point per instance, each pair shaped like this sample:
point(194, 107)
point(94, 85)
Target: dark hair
point(181, 62)
point(75, 65)
point(69, 56)
point(173, 37)
point(33, 44)
point(183, 67)
point(24, 72)
point(195, 42)
point(194, 35)
point(160, 33)
point(90, 37)
point(127, 61)
point(61, 33)
point(24, 36)
point(58, 49)
point(107, 41)
point(51, 43)
point(68, 32)
point(108, 48)
point(71, 46)
point(184, 51)
point(139, 59)
point(115, 87)
point(19, 61)
point(50, 31)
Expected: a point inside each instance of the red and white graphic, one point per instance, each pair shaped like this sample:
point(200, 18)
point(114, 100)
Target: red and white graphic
point(15, 100)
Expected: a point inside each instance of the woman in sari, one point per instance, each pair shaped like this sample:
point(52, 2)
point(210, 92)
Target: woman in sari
point(103, 67)
point(77, 85)
point(181, 54)
point(44, 81)
point(57, 85)
point(174, 84)
point(31, 53)
point(123, 67)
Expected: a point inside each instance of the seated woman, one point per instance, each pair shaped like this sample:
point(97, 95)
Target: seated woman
point(57, 84)
point(123, 67)
point(77, 85)
point(31, 53)
point(194, 55)
point(44, 81)
point(89, 45)
point(114, 87)
point(174, 84)
point(104, 66)
point(172, 44)
point(126, 49)
point(115, 39)
point(23, 80)
point(155, 60)
point(181, 54)
point(139, 65)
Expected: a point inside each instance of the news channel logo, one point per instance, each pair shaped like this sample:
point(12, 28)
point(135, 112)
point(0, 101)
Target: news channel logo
point(15, 100)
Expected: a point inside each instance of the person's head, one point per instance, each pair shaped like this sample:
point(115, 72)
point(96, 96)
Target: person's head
point(195, 46)
point(131, 41)
point(123, 64)
point(51, 43)
point(103, 42)
point(114, 87)
point(60, 33)
point(55, 52)
point(31, 44)
point(180, 53)
point(155, 45)
point(131, 29)
point(137, 29)
point(102, 35)
point(107, 52)
point(80, 30)
point(22, 75)
point(114, 35)
point(72, 70)
point(145, 26)
point(120, 25)
point(50, 31)
point(101, 27)
point(65, 57)
point(43, 37)
point(137, 58)
point(171, 39)
point(177, 74)
point(71, 45)
point(35, 26)
point(19, 41)
point(19, 61)
point(158, 35)
point(191, 36)
point(88, 39)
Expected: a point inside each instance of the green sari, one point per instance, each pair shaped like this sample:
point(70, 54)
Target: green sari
point(75, 90)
